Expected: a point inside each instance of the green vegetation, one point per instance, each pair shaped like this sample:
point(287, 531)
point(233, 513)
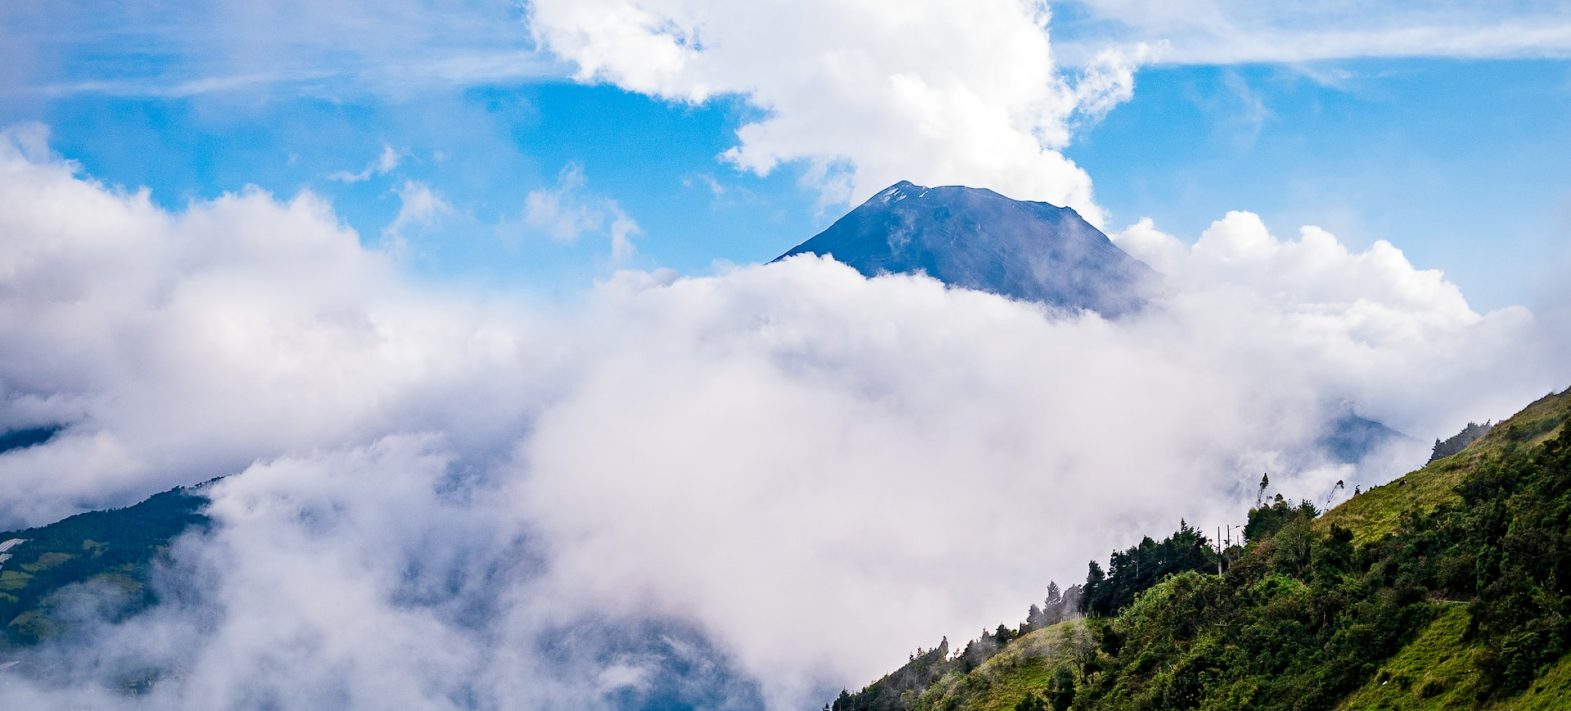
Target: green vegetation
point(1028, 667)
point(1447, 589)
point(1458, 442)
point(1375, 514)
point(997, 666)
point(1434, 671)
point(1131, 571)
point(113, 552)
point(1035, 662)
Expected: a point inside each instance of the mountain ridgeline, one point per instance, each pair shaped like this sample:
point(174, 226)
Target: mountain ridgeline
point(1449, 588)
point(977, 239)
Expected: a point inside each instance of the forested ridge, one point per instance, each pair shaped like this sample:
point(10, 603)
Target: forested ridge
point(109, 556)
point(1447, 588)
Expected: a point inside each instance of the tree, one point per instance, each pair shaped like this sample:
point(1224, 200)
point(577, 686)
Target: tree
point(1035, 619)
point(1134, 570)
point(1332, 494)
point(1061, 689)
point(1095, 591)
point(1057, 607)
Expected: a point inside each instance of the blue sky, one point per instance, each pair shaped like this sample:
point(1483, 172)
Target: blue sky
point(1463, 164)
point(1459, 159)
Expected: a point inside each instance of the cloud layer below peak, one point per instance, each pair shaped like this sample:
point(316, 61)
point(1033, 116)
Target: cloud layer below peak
point(768, 483)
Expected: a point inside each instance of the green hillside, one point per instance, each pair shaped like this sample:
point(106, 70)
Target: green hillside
point(111, 553)
point(1449, 588)
point(1374, 513)
point(1024, 667)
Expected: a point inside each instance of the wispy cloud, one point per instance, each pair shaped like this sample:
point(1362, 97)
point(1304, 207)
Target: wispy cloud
point(1237, 31)
point(567, 212)
point(419, 206)
point(384, 163)
point(165, 49)
point(1246, 114)
point(175, 87)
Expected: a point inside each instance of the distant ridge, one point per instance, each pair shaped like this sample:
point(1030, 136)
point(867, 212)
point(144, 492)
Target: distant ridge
point(977, 239)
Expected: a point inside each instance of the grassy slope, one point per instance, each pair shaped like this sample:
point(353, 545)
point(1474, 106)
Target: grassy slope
point(1373, 514)
point(1434, 671)
point(1022, 667)
point(1549, 693)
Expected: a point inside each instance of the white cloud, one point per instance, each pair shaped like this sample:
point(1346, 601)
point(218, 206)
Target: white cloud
point(1315, 271)
point(816, 471)
point(269, 312)
point(1237, 31)
point(1364, 314)
point(418, 206)
point(385, 163)
point(567, 212)
point(864, 94)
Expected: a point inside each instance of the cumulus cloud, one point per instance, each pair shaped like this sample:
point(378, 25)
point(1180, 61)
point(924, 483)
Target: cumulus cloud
point(1368, 312)
point(267, 320)
point(863, 94)
point(567, 212)
point(768, 483)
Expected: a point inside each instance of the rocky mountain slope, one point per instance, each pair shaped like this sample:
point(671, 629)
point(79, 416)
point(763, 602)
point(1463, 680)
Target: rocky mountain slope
point(977, 239)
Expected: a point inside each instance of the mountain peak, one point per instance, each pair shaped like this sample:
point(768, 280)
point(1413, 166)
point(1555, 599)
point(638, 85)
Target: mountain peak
point(902, 189)
point(975, 238)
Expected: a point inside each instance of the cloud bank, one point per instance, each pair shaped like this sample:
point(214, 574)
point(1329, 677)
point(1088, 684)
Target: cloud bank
point(748, 488)
point(864, 94)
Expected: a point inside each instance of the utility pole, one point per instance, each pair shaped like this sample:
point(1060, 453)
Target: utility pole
point(1219, 550)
